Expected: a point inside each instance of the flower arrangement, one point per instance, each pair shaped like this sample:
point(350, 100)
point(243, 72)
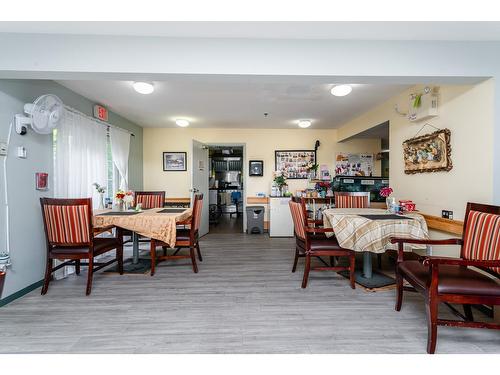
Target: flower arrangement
point(99, 188)
point(279, 178)
point(312, 167)
point(385, 191)
point(126, 197)
point(323, 185)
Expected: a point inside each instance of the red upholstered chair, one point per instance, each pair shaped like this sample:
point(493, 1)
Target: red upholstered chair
point(70, 237)
point(352, 199)
point(150, 199)
point(185, 238)
point(451, 280)
point(310, 243)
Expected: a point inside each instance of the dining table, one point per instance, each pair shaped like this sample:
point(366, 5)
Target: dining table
point(369, 230)
point(157, 223)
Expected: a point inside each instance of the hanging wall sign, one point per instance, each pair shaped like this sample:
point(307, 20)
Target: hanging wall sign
point(100, 112)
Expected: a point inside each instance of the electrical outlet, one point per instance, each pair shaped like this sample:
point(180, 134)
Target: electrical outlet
point(3, 148)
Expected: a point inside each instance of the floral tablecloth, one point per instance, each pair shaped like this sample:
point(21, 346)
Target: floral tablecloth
point(149, 223)
point(359, 233)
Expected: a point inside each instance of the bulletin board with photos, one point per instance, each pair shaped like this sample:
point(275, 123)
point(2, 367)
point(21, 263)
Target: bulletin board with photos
point(294, 163)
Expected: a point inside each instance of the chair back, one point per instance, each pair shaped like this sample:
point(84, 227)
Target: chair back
point(352, 199)
point(299, 219)
point(150, 199)
point(481, 239)
point(67, 222)
point(197, 209)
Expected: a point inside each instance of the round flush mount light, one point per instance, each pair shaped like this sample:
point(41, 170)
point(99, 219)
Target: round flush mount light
point(304, 123)
point(341, 90)
point(182, 122)
point(143, 87)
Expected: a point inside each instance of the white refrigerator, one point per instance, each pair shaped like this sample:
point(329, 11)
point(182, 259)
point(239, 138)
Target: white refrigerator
point(280, 217)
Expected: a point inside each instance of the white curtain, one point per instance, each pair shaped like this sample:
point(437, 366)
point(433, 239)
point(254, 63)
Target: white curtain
point(120, 148)
point(80, 157)
point(80, 160)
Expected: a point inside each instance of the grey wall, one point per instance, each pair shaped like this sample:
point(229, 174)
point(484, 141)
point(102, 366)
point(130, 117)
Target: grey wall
point(27, 247)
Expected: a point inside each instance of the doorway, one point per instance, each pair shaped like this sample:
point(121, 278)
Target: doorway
point(226, 188)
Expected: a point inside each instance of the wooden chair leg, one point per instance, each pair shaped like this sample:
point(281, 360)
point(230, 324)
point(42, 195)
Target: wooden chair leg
point(332, 261)
point(307, 268)
point(90, 275)
point(468, 313)
point(432, 312)
point(199, 252)
point(77, 266)
point(119, 258)
point(164, 250)
point(152, 253)
point(294, 268)
point(193, 259)
point(399, 290)
point(352, 269)
point(48, 275)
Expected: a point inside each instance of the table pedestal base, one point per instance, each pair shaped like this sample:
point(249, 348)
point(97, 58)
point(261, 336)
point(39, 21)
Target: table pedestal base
point(378, 280)
point(141, 267)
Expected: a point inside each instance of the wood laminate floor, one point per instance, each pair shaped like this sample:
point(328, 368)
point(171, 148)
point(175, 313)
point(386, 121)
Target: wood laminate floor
point(243, 300)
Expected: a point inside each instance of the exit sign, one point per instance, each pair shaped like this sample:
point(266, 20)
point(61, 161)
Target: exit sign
point(100, 112)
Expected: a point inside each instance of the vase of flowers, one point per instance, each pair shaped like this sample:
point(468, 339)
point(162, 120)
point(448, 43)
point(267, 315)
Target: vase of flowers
point(124, 199)
point(279, 180)
point(101, 190)
point(386, 192)
point(312, 168)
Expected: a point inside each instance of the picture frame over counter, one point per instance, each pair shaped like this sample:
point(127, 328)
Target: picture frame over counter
point(294, 163)
point(256, 168)
point(175, 161)
point(428, 153)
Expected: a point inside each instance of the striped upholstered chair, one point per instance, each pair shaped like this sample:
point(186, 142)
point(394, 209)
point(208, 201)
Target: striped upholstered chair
point(352, 199)
point(451, 280)
point(185, 238)
point(150, 199)
point(310, 243)
point(70, 237)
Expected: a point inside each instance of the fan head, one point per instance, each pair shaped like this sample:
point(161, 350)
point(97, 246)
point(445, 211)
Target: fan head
point(45, 113)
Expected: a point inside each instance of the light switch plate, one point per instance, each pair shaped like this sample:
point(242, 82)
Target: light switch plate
point(21, 152)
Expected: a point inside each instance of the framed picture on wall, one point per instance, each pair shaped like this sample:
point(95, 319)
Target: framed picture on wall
point(293, 163)
point(174, 161)
point(256, 168)
point(428, 153)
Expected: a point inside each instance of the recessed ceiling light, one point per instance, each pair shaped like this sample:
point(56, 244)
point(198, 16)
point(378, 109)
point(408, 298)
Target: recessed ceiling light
point(143, 87)
point(304, 123)
point(182, 122)
point(341, 90)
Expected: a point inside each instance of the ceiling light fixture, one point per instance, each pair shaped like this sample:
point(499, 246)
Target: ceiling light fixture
point(182, 122)
point(143, 87)
point(304, 123)
point(341, 90)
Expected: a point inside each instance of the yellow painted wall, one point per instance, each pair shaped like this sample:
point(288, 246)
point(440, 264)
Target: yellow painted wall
point(260, 145)
point(468, 112)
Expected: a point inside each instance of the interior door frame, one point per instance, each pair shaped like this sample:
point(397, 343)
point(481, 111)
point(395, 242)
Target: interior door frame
point(243, 173)
point(193, 169)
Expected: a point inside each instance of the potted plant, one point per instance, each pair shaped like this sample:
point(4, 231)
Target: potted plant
point(280, 181)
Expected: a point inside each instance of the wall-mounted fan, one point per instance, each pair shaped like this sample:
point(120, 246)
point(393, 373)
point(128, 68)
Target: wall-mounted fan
point(44, 114)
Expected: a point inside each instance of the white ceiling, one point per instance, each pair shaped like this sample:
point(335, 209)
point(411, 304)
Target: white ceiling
point(236, 101)
point(452, 31)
